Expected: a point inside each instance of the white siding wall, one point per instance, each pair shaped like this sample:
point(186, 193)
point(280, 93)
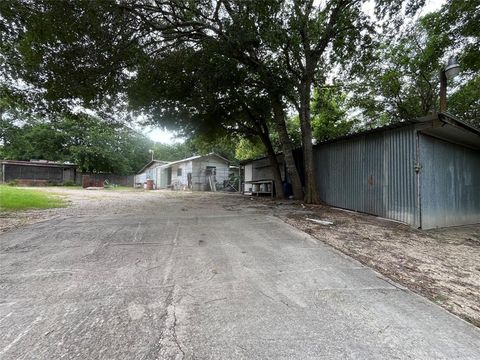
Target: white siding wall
point(199, 170)
point(198, 182)
point(248, 172)
point(182, 180)
point(149, 173)
point(187, 169)
point(260, 169)
point(140, 178)
point(161, 178)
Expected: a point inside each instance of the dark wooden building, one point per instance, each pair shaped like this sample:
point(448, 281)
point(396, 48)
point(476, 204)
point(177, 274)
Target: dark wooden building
point(34, 172)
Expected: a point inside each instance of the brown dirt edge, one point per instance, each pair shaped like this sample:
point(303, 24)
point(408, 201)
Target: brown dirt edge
point(454, 294)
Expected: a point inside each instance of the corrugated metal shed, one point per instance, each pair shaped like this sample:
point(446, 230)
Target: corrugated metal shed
point(425, 173)
point(450, 183)
point(372, 173)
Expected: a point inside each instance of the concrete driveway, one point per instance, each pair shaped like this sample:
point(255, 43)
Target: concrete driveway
point(188, 276)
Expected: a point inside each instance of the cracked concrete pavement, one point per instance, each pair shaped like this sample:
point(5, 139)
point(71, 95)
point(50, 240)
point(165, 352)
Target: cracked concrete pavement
point(189, 276)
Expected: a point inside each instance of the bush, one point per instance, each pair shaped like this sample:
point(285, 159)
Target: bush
point(69, 183)
point(12, 183)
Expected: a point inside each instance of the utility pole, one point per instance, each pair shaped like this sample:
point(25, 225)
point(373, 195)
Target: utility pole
point(449, 72)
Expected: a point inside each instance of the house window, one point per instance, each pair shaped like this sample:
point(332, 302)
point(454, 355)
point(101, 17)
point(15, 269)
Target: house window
point(211, 170)
point(179, 172)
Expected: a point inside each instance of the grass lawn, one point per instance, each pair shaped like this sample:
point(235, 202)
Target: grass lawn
point(17, 198)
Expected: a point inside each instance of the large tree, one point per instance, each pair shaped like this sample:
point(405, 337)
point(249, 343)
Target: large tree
point(402, 81)
point(207, 96)
point(285, 46)
point(284, 43)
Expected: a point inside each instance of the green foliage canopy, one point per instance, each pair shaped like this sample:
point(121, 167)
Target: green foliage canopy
point(94, 145)
point(402, 81)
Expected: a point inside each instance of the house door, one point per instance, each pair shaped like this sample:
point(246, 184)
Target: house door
point(210, 177)
point(211, 171)
point(169, 176)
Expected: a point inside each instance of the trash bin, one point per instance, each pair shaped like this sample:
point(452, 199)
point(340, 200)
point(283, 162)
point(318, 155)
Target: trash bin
point(149, 184)
point(85, 181)
point(287, 189)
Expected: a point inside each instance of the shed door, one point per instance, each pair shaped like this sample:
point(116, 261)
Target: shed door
point(211, 171)
point(450, 183)
point(373, 175)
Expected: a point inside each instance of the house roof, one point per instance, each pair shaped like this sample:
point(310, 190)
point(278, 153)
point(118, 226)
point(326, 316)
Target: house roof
point(194, 158)
point(164, 164)
point(442, 125)
point(449, 128)
point(151, 163)
point(44, 163)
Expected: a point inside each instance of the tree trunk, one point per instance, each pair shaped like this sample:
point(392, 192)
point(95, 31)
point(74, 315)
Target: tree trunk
point(287, 147)
point(311, 193)
point(272, 157)
point(263, 132)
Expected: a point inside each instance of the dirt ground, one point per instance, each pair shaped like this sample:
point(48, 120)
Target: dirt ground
point(442, 265)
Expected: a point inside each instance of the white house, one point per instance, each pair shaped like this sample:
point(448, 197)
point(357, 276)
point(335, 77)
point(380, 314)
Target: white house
point(197, 173)
point(148, 172)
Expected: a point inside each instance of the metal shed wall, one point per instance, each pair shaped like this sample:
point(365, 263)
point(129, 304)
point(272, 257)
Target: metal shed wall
point(450, 183)
point(53, 174)
point(372, 173)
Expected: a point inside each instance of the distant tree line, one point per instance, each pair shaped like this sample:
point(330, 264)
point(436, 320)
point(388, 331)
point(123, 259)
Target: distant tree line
point(93, 145)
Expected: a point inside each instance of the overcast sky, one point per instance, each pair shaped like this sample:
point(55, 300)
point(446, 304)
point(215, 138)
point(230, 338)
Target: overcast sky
point(169, 137)
point(162, 136)
point(432, 5)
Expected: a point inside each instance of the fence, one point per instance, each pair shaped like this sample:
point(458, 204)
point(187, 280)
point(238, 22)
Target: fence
point(30, 173)
point(100, 178)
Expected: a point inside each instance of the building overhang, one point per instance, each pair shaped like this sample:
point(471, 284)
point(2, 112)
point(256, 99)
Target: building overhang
point(446, 127)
